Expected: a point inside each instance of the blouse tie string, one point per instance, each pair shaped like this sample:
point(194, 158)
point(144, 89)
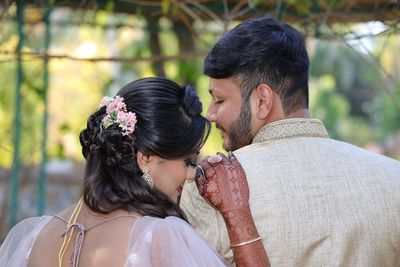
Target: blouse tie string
point(80, 236)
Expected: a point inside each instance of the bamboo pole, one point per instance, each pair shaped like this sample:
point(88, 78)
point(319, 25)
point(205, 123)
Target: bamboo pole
point(14, 183)
point(42, 182)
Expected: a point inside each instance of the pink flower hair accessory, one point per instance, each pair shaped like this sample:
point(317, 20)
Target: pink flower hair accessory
point(116, 113)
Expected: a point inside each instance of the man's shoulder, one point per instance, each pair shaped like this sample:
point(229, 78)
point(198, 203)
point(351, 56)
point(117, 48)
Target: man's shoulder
point(315, 147)
point(360, 152)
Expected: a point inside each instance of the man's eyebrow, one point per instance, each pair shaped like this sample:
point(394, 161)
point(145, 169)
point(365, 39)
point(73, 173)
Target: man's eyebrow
point(210, 91)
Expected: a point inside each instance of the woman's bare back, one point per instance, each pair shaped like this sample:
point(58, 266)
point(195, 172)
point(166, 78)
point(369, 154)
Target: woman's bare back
point(106, 244)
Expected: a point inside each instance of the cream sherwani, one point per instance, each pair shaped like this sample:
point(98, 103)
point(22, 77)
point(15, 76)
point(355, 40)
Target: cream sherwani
point(315, 201)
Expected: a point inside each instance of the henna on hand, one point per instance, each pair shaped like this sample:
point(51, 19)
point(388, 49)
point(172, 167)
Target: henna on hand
point(222, 182)
point(241, 229)
point(240, 226)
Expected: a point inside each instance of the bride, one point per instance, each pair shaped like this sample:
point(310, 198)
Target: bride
point(140, 147)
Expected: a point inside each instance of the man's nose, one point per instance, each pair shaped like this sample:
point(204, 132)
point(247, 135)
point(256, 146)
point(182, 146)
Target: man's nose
point(212, 113)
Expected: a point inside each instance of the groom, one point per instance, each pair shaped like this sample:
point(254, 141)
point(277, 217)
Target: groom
point(315, 201)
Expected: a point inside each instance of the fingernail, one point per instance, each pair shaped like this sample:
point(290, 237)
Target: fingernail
point(199, 172)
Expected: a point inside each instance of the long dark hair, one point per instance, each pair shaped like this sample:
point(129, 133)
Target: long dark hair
point(169, 125)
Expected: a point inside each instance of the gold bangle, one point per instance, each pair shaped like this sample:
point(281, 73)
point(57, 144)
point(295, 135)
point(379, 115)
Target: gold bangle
point(246, 242)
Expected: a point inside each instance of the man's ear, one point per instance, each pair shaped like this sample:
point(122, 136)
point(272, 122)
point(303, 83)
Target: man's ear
point(264, 97)
point(143, 160)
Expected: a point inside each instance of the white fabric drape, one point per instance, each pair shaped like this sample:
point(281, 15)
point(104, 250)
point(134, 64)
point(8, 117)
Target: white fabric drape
point(153, 242)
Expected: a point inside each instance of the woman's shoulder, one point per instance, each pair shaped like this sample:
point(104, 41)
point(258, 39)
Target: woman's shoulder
point(33, 220)
point(161, 227)
point(26, 229)
point(29, 225)
point(167, 223)
point(18, 243)
point(167, 230)
point(161, 239)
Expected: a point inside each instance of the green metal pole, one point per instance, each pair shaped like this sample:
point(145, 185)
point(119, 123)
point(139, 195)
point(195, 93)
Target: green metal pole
point(42, 172)
point(281, 10)
point(12, 218)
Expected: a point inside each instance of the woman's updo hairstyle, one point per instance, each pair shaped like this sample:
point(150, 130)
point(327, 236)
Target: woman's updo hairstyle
point(169, 125)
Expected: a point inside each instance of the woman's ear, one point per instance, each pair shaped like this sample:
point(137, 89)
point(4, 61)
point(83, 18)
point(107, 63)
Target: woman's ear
point(264, 99)
point(143, 160)
point(147, 160)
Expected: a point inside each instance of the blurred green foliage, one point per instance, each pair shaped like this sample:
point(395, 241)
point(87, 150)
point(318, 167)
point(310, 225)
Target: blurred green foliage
point(356, 99)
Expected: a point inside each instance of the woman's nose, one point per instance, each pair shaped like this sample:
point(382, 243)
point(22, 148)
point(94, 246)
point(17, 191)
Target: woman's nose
point(191, 173)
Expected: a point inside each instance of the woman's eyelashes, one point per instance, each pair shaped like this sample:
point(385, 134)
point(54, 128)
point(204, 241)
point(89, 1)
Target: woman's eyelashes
point(191, 162)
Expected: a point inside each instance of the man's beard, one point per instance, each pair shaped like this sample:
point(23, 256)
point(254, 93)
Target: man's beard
point(240, 131)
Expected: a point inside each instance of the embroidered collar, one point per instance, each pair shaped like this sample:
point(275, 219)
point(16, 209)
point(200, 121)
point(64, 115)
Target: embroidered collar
point(291, 128)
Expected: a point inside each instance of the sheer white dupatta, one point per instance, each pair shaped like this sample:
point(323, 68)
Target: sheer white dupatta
point(169, 242)
point(17, 246)
point(153, 242)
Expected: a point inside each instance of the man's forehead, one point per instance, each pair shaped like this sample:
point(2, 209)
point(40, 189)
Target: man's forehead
point(221, 86)
point(212, 87)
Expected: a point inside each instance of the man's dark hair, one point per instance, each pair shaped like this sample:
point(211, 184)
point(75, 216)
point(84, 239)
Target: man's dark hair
point(263, 50)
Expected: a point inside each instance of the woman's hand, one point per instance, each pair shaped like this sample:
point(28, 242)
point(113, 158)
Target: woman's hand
point(222, 182)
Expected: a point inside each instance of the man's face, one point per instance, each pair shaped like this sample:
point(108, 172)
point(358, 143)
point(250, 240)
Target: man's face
point(230, 114)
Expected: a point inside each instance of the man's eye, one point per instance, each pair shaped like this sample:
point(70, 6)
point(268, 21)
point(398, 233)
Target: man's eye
point(218, 102)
